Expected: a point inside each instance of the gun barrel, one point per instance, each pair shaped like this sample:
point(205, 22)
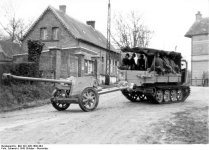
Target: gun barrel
point(105, 91)
point(10, 76)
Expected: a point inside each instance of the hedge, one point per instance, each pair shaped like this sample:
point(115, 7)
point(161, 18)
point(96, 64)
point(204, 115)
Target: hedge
point(19, 69)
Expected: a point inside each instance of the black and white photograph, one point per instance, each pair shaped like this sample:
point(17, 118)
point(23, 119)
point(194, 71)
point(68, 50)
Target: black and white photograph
point(114, 74)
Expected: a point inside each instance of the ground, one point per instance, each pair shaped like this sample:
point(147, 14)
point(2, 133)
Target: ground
point(116, 120)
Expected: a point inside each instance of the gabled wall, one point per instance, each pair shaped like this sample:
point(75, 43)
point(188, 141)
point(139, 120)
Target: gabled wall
point(49, 20)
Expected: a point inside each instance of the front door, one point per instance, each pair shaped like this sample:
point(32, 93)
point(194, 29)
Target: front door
point(73, 66)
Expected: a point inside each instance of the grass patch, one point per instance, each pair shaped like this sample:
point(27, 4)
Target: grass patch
point(17, 96)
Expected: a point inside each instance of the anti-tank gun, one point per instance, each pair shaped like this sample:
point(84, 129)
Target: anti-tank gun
point(74, 90)
point(79, 90)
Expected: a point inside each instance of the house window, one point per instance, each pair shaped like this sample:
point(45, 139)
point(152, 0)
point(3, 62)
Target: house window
point(102, 59)
point(111, 66)
point(55, 33)
point(88, 67)
point(116, 66)
point(102, 67)
point(43, 33)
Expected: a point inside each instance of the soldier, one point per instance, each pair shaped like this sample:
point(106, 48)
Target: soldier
point(132, 62)
point(158, 65)
point(174, 66)
point(126, 62)
point(167, 65)
point(141, 63)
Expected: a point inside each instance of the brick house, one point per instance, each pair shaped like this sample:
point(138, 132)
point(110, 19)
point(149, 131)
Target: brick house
point(199, 34)
point(72, 48)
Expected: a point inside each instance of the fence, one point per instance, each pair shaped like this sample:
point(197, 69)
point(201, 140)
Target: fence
point(200, 82)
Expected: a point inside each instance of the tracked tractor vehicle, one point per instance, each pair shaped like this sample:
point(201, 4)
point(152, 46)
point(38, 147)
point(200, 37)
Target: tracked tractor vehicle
point(159, 84)
point(166, 83)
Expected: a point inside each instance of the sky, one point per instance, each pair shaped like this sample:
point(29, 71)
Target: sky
point(169, 19)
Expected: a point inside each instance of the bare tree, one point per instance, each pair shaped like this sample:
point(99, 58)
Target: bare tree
point(13, 26)
point(130, 31)
point(2, 36)
point(15, 29)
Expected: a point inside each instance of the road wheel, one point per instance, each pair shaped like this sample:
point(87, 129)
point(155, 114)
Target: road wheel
point(134, 97)
point(180, 95)
point(88, 99)
point(58, 105)
point(142, 97)
point(173, 96)
point(167, 96)
point(159, 96)
point(130, 95)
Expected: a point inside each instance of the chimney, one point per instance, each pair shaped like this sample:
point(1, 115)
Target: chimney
point(198, 16)
point(63, 8)
point(91, 23)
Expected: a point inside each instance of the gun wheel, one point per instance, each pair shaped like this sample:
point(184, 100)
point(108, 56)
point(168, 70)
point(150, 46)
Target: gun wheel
point(88, 99)
point(59, 106)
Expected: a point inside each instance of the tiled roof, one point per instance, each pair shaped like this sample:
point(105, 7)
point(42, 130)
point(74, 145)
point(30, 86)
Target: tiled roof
point(78, 29)
point(82, 31)
point(9, 49)
point(199, 28)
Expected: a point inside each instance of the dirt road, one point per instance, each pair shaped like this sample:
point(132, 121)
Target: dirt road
point(116, 120)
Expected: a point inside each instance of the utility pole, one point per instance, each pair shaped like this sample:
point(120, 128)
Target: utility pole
point(107, 79)
point(175, 48)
